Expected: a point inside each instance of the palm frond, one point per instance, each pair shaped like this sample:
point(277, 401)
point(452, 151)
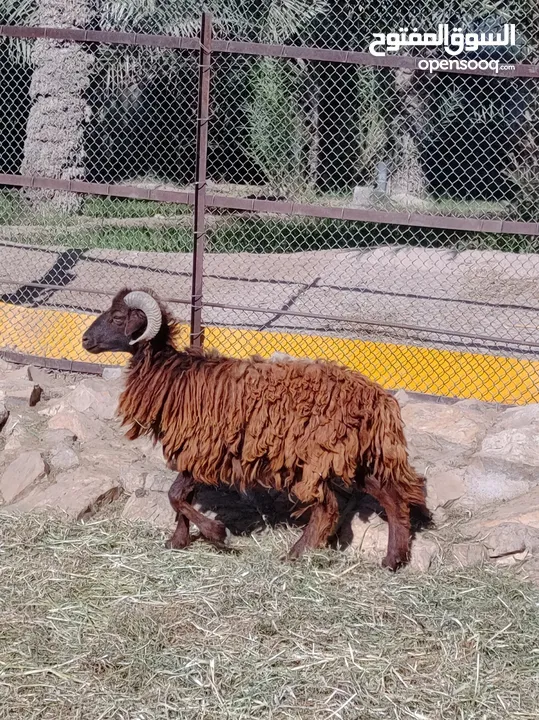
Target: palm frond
point(17, 12)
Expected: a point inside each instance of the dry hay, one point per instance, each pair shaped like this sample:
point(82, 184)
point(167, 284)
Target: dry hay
point(97, 621)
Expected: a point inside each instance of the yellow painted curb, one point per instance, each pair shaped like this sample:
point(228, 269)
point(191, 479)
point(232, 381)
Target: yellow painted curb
point(56, 334)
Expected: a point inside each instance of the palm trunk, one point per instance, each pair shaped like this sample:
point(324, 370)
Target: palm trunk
point(408, 178)
point(54, 144)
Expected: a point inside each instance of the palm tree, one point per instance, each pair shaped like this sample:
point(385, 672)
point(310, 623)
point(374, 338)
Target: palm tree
point(59, 112)
point(66, 76)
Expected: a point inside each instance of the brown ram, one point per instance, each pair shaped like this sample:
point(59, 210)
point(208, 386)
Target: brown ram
point(295, 427)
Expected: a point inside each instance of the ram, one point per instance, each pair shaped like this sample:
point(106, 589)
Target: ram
point(301, 428)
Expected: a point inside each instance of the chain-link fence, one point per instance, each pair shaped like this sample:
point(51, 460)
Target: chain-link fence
point(377, 210)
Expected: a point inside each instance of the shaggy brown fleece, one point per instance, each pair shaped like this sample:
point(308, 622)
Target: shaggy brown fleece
point(289, 426)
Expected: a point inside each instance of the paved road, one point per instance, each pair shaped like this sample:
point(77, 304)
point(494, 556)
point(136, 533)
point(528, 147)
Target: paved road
point(479, 293)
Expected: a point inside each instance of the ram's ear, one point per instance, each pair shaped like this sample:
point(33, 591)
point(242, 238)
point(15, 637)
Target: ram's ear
point(135, 323)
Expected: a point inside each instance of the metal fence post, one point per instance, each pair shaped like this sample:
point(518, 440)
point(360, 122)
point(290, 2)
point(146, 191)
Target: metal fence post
point(199, 225)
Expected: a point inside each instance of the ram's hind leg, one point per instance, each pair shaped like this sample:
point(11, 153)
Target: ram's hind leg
point(398, 519)
point(180, 495)
point(320, 527)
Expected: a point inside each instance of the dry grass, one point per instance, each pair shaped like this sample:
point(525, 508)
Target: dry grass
point(97, 621)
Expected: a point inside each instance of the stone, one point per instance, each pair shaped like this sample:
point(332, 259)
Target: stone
point(153, 508)
point(18, 433)
point(21, 474)
point(468, 554)
point(112, 373)
point(75, 493)
point(522, 509)
point(160, 481)
point(110, 454)
point(94, 397)
point(438, 432)
point(486, 485)
point(4, 412)
point(54, 385)
point(63, 458)
point(84, 428)
point(422, 554)
point(369, 537)
point(23, 392)
point(444, 488)
point(402, 397)
point(5, 366)
point(510, 446)
point(13, 427)
point(520, 417)
point(61, 436)
point(132, 476)
point(144, 445)
point(515, 451)
point(18, 372)
point(510, 539)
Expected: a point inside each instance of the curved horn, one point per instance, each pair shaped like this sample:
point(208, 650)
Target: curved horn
point(150, 307)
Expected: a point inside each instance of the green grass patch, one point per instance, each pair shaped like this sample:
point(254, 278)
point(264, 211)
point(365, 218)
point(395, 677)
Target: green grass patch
point(233, 233)
point(101, 207)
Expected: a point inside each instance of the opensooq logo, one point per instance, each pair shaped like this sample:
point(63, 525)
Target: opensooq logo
point(454, 43)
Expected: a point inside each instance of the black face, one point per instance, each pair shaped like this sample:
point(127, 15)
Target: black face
point(113, 330)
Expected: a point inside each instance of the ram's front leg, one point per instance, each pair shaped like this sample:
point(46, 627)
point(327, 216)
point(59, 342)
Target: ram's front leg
point(181, 490)
point(181, 495)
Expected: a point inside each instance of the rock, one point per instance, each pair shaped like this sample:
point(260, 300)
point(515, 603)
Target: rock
point(423, 553)
point(4, 413)
point(513, 451)
point(84, 428)
point(153, 508)
point(21, 474)
point(112, 373)
point(513, 559)
point(53, 385)
point(520, 417)
point(94, 397)
point(485, 486)
point(438, 432)
point(468, 554)
point(17, 372)
point(132, 476)
point(63, 458)
point(75, 493)
point(21, 391)
point(62, 436)
point(12, 431)
point(18, 434)
point(110, 454)
point(5, 366)
point(402, 397)
point(510, 539)
point(523, 509)
point(444, 487)
point(369, 537)
point(147, 449)
point(159, 481)
point(510, 446)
